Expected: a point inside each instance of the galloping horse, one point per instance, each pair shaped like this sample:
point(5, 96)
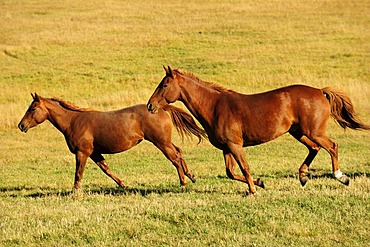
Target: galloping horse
point(233, 120)
point(91, 133)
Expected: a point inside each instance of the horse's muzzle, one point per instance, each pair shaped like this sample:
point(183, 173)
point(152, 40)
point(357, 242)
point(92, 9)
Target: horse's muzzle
point(151, 108)
point(23, 127)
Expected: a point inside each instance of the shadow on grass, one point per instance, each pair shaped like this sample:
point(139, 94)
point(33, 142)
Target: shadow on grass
point(314, 174)
point(146, 190)
point(23, 191)
point(143, 191)
point(26, 191)
point(317, 174)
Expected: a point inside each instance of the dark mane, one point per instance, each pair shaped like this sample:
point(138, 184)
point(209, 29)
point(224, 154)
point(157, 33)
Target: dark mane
point(70, 106)
point(212, 85)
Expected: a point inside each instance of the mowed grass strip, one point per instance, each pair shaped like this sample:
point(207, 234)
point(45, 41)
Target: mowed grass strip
point(108, 55)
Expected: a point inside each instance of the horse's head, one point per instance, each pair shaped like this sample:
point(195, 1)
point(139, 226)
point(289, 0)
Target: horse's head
point(35, 114)
point(168, 91)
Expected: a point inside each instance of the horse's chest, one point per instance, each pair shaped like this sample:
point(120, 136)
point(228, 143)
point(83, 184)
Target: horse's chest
point(79, 140)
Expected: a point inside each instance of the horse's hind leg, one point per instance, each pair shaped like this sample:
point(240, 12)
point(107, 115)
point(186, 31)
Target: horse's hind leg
point(313, 149)
point(332, 148)
point(184, 166)
point(174, 154)
point(102, 163)
point(230, 166)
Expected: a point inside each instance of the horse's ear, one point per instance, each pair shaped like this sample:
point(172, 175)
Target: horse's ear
point(168, 71)
point(165, 69)
point(35, 97)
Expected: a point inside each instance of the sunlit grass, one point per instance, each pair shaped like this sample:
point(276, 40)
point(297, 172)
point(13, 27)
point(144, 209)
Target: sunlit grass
point(109, 54)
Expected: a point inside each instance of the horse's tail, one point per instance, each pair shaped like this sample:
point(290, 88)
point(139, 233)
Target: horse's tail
point(184, 123)
point(342, 110)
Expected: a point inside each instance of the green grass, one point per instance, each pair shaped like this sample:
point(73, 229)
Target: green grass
point(108, 55)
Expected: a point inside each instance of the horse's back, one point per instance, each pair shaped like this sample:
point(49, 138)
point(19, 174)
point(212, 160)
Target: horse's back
point(151, 125)
point(294, 91)
point(291, 98)
point(294, 97)
point(140, 116)
point(264, 116)
point(296, 101)
point(119, 130)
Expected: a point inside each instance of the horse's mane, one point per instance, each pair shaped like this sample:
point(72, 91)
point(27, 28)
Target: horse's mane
point(212, 85)
point(70, 106)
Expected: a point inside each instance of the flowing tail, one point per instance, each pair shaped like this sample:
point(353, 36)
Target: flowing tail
point(342, 110)
point(185, 123)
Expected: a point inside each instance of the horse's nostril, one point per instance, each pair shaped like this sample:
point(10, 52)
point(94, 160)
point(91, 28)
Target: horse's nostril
point(150, 107)
point(22, 127)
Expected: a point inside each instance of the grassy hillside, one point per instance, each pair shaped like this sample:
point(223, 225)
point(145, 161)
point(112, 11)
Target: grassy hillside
point(109, 54)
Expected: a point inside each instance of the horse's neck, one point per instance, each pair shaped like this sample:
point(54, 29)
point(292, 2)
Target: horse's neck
point(59, 116)
point(200, 100)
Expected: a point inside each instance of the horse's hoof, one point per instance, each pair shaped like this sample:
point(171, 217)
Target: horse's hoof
point(251, 194)
point(183, 185)
point(77, 193)
point(260, 183)
point(344, 180)
point(303, 180)
point(193, 178)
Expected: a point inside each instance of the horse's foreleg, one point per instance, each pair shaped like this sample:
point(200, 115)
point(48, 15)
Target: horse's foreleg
point(80, 167)
point(230, 166)
point(102, 163)
point(237, 152)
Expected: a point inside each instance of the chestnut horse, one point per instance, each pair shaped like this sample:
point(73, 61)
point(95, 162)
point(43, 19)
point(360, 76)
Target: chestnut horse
point(233, 120)
point(91, 133)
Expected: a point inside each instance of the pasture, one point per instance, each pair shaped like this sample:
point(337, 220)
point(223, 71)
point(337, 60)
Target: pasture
point(109, 55)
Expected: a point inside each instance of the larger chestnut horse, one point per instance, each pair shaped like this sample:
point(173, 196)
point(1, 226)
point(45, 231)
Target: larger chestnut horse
point(91, 133)
point(233, 120)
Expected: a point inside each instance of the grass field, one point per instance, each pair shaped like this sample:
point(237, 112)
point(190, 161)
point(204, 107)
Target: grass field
point(109, 54)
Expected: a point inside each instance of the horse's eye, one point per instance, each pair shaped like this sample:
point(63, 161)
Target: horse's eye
point(164, 85)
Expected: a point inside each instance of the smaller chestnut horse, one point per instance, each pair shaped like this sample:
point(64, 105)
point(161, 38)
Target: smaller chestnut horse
point(91, 133)
point(233, 120)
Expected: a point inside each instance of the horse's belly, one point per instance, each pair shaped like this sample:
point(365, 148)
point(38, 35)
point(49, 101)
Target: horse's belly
point(248, 143)
point(115, 145)
point(262, 137)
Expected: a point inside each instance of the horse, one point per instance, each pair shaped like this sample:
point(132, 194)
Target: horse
point(91, 133)
point(233, 120)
